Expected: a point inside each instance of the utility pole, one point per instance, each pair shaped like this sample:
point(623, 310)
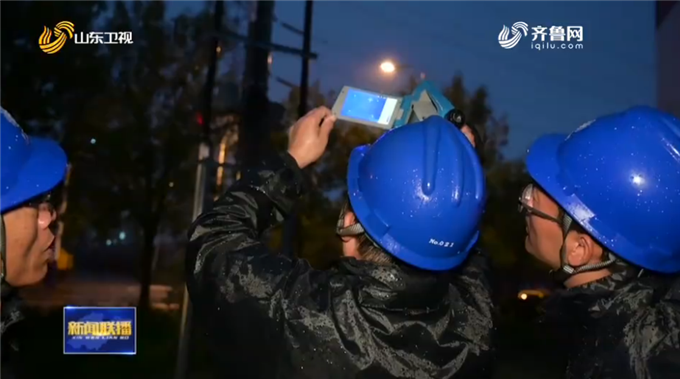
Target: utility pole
point(307, 48)
point(253, 134)
point(204, 157)
point(291, 237)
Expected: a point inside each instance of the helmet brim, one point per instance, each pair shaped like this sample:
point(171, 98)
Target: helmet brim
point(541, 163)
point(42, 172)
point(380, 232)
point(544, 169)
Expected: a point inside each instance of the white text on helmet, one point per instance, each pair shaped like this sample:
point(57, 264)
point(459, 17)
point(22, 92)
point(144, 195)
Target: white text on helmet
point(440, 243)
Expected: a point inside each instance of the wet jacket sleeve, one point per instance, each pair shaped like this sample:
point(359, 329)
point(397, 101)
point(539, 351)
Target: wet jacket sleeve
point(660, 337)
point(473, 282)
point(227, 265)
point(11, 318)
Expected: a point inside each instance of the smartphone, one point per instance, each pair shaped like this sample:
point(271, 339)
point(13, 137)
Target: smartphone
point(367, 108)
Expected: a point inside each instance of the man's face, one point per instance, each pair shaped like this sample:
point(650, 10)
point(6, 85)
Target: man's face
point(544, 232)
point(29, 243)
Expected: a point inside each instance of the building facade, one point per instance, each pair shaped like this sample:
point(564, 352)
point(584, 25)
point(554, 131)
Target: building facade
point(668, 56)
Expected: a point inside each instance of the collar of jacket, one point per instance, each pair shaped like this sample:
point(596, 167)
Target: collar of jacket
point(10, 309)
point(395, 286)
point(627, 289)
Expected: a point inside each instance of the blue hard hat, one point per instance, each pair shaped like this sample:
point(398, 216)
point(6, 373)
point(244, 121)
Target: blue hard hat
point(619, 178)
point(419, 193)
point(28, 166)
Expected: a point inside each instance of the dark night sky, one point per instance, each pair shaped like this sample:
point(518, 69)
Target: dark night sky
point(539, 91)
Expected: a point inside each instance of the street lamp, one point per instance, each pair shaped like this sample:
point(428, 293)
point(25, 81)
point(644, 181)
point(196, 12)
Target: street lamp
point(388, 67)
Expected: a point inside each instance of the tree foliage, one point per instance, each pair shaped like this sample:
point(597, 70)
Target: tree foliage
point(127, 112)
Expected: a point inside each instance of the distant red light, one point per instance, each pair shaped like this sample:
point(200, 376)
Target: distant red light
point(199, 119)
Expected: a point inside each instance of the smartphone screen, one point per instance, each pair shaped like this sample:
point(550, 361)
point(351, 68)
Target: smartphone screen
point(369, 107)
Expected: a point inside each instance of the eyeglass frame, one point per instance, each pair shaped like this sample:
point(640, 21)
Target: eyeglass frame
point(525, 208)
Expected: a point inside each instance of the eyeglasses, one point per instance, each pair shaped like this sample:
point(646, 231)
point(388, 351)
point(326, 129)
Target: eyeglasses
point(526, 205)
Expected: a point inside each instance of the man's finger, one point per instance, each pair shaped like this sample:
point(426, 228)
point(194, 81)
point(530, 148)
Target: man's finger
point(326, 127)
point(317, 114)
point(326, 112)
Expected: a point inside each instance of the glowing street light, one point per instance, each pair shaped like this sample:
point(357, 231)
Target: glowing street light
point(388, 67)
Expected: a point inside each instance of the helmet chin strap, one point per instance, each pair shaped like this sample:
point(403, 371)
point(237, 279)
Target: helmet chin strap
point(566, 271)
point(352, 230)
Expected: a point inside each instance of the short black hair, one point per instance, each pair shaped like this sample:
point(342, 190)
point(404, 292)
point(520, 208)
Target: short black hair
point(369, 250)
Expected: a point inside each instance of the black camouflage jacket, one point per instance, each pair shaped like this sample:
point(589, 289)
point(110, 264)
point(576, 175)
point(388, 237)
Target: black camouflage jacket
point(625, 326)
point(10, 314)
point(270, 316)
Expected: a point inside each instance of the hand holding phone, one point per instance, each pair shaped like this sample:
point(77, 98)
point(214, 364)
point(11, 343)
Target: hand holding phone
point(308, 138)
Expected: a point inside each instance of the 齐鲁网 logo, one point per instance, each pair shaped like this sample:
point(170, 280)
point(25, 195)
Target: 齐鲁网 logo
point(543, 38)
point(100, 330)
point(51, 42)
point(518, 28)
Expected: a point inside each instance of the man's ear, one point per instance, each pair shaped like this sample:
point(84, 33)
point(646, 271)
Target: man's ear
point(476, 137)
point(349, 219)
point(582, 249)
point(469, 134)
point(45, 216)
point(350, 244)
